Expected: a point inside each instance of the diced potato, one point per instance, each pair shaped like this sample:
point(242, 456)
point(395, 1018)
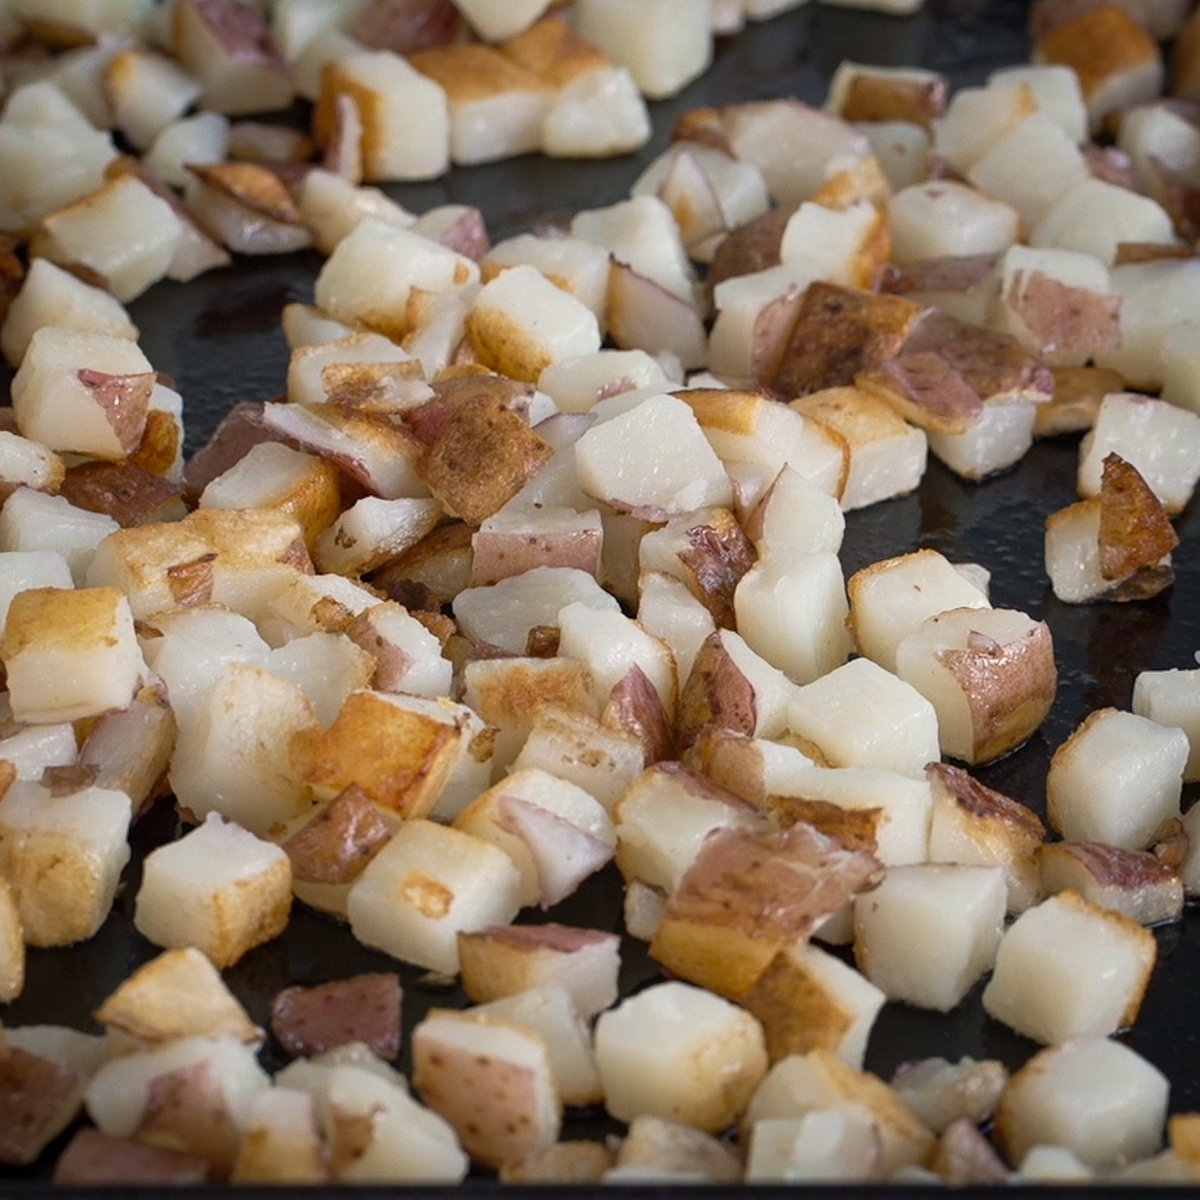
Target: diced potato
point(1116, 779)
point(656, 1152)
point(826, 1146)
point(807, 998)
point(69, 653)
point(12, 947)
point(1067, 967)
point(491, 1079)
point(713, 1050)
point(428, 884)
point(219, 888)
point(664, 43)
point(1094, 217)
point(62, 857)
point(282, 1143)
point(941, 219)
point(971, 823)
point(1172, 698)
point(928, 932)
point(1091, 1095)
point(890, 599)
point(178, 994)
point(862, 715)
point(1133, 882)
point(989, 674)
point(820, 1081)
point(941, 1092)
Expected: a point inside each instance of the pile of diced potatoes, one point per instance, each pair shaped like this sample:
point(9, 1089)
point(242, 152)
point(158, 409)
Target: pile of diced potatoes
point(533, 568)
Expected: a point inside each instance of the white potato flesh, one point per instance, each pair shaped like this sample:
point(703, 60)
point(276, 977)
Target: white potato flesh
point(663, 819)
point(408, 658)
point(834, 241)
point(1030, 166)
point(902, 150)
point(566, 837)
point(929, 931)
point(50, 295)
point(989, 674)
point(643, 234)
point(1092, 1096)
point(326, 667)
point(1116, 779)
point(551, 1013)
point(653, 458)
point(1067, 967)
point(27, 464)
point(118, 1094)
point(367, 279)
point(1171, 698)
point(1153, 133)
point(803, 1083)
point(1159, 439)
point(373, 530)
point(33, 748)
point(977, 117)
point(794, 514)
point(1180, 360)
point(50, 155)
point(300, 604)
point(995, 442)
point(503, 613)
point(1094, 217)
point(941, 1092)
point(792, 144)
point(305, 325)
point(944, 219)
point(69, 653)
point(331, 207)
point(612, 645)
point(1155, 296)
point(62, 857)
point(597, 115)
point(231, 753)
point(863, 715)
point(218, 888)
point(307, 378)
point(521, 323)
point(825, 1146)
point(712, 1050)
point(495, 24)
point(664, 44)
point(147, 92)
point(577, 266)
point(202, 138)
point(791, 610)
point(36, 521)
point(424, 887)
point(1072, 553)
point(122, 232)
point(1056, 91)
point(84, 392)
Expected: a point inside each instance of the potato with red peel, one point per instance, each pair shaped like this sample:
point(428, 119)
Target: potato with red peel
point(95, 1158)
point(363, 1009)
point(1133, 882)
point(989, 673)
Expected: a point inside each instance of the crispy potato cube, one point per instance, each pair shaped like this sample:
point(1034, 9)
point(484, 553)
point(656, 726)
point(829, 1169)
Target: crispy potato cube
point(819, 1080)
point(1116, 779)
point(178, 994)
point(828, 1146)
point(941, 1092)
point(428, 884)
point(219, 888)
point(405, 115)
point(83, 391)
point(807, 998)
point(521, 323)
point(945, 219)
point(62, 857)
point(1133, 882)
point(504, 960)
point(862, 715)
point(747, 895)
point(655, 1152)
point(929, 931)
point(678, 1052)
point(973, 824)
point(70, 653)
point(399, 753)
point(1068, 967)
point(1092, 1095)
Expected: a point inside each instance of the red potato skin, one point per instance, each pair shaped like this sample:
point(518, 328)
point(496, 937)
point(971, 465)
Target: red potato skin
point(366, 1008)
point(33, 1091)
point(95, 1159)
